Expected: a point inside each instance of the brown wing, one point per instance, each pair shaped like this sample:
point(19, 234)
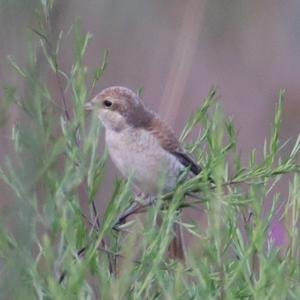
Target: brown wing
point(169, 142)
point(187, 161)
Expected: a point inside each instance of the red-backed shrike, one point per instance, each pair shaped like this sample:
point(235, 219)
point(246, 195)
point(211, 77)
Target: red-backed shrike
point(141, 145)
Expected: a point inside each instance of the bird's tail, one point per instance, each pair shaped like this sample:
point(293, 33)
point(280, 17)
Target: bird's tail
point(177, 247)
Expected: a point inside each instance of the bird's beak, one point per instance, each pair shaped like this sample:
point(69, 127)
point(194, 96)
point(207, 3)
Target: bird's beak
point(88, 106)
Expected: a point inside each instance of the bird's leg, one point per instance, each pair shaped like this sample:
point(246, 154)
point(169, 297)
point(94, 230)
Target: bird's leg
point(140, 205)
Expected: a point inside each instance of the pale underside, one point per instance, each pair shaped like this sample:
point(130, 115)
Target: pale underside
point(139, 157)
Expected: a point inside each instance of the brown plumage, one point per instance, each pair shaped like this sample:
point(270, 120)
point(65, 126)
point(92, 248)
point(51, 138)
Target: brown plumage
point(170, 143)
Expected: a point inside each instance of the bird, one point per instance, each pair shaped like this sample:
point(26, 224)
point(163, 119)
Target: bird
point(142, 147)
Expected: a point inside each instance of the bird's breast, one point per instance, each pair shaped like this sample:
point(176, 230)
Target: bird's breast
point(139, 156)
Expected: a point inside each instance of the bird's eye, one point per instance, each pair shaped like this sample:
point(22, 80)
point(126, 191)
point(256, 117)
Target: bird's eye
point(107, 103)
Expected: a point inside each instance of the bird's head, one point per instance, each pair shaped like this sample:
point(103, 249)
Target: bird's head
point(119, 108)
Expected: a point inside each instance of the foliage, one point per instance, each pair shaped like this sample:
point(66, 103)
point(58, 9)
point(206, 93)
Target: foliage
point(56, 161)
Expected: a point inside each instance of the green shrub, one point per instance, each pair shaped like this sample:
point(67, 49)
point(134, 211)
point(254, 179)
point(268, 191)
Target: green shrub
point(56, 160)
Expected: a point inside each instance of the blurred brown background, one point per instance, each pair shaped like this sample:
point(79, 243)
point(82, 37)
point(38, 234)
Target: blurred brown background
point(177, 50)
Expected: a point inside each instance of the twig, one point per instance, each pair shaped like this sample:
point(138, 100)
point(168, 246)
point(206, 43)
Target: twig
point(83, 250)
point(140, 208)
point(61, 90)
point(96, 216)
